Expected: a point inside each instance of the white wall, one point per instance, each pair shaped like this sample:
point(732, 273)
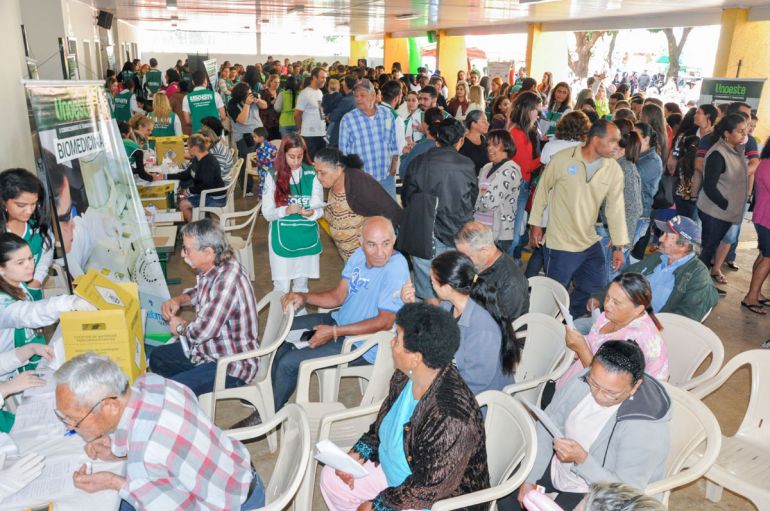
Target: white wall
point(16, 142)
point(42, 20)
point(80, 23)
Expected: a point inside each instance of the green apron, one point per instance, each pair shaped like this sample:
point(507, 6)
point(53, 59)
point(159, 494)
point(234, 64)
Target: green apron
point(294, 235)
point(123, 106)
point(153, 79)
point(131, 147)
point(202, 104)
point(22, 336)
point(164, 129)
point(35, 241)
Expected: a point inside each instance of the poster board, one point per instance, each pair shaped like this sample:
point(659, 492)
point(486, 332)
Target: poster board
point(100, 221)
point(501, 69)
point(726, 90)
point(212, 71)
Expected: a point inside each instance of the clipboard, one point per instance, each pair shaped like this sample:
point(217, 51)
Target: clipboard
point(544, 419)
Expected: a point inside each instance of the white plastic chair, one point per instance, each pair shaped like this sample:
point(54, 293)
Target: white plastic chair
point(250, 171)
point(743, 465)
point(689, 343)
point(292, 458)
point(511, 449)
point(330, 419)
point(692, 423)
point(541, 296)
point(258, 393)
point(242, 245)
point(229, 192)
point(545, 355)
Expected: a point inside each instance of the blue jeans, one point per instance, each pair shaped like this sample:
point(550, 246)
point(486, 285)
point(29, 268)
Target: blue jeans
point(255, 501)
point(288, 358)
point(605, 234)
point(713, 230)
point(389, 184)
point(422, 285)
point(584, 269)
point(170, 362)
point(520, 222)
point(285, 130)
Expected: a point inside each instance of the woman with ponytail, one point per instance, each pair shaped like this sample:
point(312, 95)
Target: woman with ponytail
point(650, 167)
point(484, 358)
point(354, 195)
point(292, 201)
point(627, 315)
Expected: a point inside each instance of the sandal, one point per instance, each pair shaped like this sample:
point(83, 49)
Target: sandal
point(764, 301)
point(755, 308)
point(719, 278)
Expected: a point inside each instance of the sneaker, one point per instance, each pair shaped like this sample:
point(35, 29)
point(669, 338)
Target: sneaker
point(732, 266)
point(252, 420)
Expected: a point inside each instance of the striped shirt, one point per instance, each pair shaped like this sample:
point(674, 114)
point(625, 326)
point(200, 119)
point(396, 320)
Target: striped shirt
point(225, 318)
point(752, 151)
point(176, 458)
point(372, 138)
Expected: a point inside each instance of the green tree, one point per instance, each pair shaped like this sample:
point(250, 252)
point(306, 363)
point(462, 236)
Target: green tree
point(674, 50)
point(584, 44)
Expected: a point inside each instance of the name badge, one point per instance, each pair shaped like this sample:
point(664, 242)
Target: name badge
point(572, 170)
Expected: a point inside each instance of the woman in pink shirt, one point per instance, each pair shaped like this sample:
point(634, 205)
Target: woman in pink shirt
point(627, 315)
point(761, 218)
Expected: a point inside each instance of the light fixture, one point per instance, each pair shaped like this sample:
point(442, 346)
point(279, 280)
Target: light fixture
point(171, 5)
point(407, 16)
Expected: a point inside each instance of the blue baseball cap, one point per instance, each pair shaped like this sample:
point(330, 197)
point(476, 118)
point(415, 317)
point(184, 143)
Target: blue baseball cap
point(681, 226)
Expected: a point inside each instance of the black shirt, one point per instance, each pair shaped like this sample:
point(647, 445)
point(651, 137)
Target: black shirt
point(205, 173)
point(511, 285)
point(477, 153)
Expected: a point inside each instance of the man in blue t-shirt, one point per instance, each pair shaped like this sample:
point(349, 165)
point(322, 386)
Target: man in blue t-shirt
point(368, 296)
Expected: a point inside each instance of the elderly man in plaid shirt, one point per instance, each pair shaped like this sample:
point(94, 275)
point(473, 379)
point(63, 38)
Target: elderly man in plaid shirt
point(369, 130)
point(176, 458)
point(225, 315)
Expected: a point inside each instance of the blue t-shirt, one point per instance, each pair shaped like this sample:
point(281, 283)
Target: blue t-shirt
point(391, 433)
point(371, 289)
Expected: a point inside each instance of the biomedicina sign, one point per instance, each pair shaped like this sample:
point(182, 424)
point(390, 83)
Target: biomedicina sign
point(726, 90)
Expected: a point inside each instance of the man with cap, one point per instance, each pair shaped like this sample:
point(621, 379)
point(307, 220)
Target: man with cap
point(370, 132)
point(680, 282)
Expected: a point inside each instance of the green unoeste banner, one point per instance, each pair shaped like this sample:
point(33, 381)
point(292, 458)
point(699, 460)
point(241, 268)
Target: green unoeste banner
point(82, 163)
point(727, 90)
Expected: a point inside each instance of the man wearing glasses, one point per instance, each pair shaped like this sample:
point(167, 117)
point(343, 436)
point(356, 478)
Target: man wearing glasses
point(615, 419)
point(170, 446)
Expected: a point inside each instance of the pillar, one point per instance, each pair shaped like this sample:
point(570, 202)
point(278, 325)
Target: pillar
point(546, 51)
point(396, 49)
point(358, 50)
point(748, 43)
point(16, 143)
point(451, 57)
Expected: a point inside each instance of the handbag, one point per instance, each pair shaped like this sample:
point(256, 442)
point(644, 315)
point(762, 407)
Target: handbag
point(664, 198)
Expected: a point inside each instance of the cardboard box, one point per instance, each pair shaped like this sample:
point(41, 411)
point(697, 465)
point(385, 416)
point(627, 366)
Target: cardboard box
point(115, 330)
point(169, 147)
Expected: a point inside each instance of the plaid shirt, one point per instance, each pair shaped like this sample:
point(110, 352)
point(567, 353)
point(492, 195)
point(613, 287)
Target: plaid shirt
point(225, 318)
point(372, 138)
point(175, 457)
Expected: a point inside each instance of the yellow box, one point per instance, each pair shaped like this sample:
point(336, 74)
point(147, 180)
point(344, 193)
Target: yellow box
point(115, 330)
point(173, 147)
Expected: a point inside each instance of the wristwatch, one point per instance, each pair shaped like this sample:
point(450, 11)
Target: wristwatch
point(180, 329)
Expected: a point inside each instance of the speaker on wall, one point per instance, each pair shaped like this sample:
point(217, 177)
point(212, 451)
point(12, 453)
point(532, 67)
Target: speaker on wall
point(104, 20)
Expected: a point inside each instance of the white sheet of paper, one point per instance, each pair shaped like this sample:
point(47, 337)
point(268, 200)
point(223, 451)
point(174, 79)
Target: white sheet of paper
point(168, 218)
point(544, 419)
point(329, 454)
point(55, 480)
point(37, 415)
point(564, 312)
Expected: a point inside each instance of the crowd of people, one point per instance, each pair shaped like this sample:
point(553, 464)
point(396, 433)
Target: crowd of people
point(630, 204)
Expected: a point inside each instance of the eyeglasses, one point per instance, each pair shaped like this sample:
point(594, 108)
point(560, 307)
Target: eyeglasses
point(68, 422)
point(612, 396)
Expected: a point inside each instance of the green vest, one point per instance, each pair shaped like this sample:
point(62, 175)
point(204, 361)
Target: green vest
point(153, 79)
point(295, 235)
point(164, 129)
point(286, 118)
point(131, 147)
point(35, 241)
point(22, 336)
point(202, 104)
point(123, 106)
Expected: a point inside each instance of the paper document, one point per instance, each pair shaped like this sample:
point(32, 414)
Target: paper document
point(38, 415)
point(564, 312)
point(544, 419)
point(56, 480)
point(168, 218)
point(329, 454)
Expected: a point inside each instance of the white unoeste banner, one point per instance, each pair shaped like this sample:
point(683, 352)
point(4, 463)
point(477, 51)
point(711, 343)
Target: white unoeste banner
point(83, 164)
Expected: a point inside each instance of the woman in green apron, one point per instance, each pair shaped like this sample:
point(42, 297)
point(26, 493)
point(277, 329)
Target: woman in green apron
point(21, 318)
point(135, 153)
point(24, 212)
point(167, 123)
point(292, 201)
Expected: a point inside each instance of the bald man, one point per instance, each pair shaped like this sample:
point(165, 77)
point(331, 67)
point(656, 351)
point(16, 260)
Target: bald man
point(368, 296)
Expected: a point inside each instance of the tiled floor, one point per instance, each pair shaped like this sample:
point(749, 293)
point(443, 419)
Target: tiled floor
point(739, 330)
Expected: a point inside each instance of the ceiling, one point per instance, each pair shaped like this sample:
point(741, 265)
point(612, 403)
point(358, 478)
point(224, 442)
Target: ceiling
point(412, 17)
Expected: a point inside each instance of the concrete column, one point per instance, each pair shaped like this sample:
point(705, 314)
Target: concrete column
point(546, 51)
point(396, 50)
point(16, 142)
point(359, 50)
point(746, 43)
point(451, 57)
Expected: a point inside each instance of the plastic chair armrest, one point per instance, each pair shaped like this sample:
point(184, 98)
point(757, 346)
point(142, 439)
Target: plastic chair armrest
point(307, 368)
point(328, 420)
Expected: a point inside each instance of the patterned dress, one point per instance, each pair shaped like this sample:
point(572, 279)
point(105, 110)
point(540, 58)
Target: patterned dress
point(344, 224)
